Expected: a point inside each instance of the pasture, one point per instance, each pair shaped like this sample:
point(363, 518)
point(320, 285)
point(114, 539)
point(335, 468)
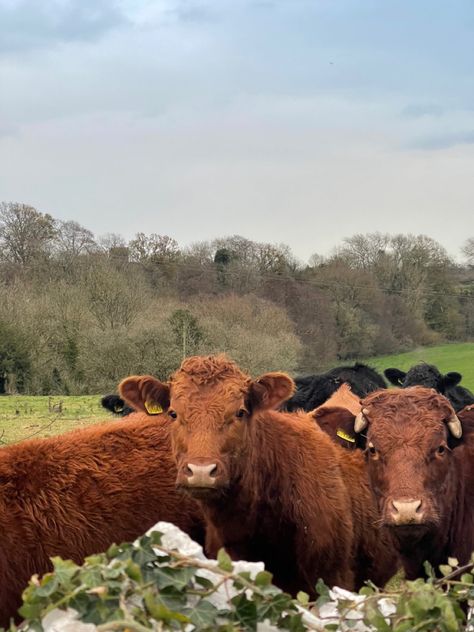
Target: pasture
point(449, 357)
point(25, 416)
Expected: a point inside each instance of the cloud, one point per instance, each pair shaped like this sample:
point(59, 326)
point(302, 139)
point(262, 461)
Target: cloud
point(443, 141)
point(27, 25)
point(420, 110)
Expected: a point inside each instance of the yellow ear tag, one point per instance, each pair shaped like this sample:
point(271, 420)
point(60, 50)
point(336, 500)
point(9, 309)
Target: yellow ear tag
point(153, 409)
point(344, 435)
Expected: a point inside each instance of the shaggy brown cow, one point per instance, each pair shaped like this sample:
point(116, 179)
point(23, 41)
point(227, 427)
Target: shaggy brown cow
point(270, 483)
point(422, 472)
point(77, 493)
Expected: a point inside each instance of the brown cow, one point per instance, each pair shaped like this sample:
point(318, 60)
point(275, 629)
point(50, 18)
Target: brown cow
point(270, 483)
point(77, 493)
point(421, 470)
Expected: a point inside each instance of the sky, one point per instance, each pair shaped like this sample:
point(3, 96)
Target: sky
point(294, 121)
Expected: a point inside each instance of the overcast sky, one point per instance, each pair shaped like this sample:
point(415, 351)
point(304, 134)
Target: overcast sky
point(296, 121)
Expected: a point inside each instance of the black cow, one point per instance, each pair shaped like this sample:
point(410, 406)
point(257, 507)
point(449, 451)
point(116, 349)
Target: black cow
point(428, 375)
point(116, 405)
point(314, 390)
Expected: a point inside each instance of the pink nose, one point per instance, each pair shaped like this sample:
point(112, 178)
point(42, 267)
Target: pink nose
point(198, 475)
point(405, 512)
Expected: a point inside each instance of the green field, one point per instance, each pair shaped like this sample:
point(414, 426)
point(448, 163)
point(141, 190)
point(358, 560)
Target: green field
point(451, 357)
point(24, 416)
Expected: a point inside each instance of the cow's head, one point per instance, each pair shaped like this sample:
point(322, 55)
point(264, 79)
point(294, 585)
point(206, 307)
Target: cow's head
point(423, 375)
point(209, 403)
point(411, 435)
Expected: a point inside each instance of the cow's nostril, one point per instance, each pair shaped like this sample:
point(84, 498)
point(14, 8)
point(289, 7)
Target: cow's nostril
point(213, 472)
point(188, 471)
point(406, 511)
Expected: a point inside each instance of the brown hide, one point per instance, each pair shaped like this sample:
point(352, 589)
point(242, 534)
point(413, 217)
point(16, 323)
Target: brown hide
point(422, 476)
point(336, 417)
point(270, 483)
point(342, 398)
point(75, 494)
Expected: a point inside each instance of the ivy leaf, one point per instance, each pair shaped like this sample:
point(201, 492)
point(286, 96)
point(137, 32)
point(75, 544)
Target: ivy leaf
point(263, 579)
point(245, 611)
point(177, 577)
point(203, 614)
point(223, 561)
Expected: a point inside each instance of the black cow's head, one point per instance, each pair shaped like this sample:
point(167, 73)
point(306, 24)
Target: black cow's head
point(423, 375)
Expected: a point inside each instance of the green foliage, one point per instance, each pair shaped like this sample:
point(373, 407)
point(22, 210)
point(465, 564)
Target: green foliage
point(144, 586)
point(15, 362)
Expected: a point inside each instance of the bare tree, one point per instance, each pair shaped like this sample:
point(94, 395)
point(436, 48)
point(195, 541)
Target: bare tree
point(73, 240)
point(153, 248)
point(111, 241)
point(468, 251)
point(25, 234)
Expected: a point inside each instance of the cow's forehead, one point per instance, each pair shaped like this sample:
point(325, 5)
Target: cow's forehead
point(221, 393)
point(209, 380)
point(415, 414)
point(417, 432)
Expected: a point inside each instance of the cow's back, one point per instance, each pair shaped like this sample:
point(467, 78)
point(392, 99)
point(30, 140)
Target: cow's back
point(76, 494)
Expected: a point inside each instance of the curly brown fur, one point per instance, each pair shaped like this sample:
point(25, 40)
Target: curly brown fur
point(75, 494)
point(277, 492)
point(414, 461)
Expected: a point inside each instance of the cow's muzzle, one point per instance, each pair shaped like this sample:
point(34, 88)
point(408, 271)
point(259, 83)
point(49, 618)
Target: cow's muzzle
point(199, 476)
point(402, 512)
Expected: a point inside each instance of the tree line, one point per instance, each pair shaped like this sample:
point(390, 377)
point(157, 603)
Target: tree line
point(79, 312)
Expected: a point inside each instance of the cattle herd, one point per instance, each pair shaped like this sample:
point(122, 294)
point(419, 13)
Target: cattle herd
point(331, 476)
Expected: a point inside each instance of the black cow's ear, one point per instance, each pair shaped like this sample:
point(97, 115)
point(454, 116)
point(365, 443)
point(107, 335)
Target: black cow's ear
point(451, 379)
point(395, 376)
point(145, 393)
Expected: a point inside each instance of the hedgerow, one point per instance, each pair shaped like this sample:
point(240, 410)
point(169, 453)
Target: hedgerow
point(144, 586)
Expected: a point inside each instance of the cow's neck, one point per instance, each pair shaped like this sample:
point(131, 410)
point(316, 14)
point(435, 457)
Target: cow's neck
point(252, 520)
point(461, 528)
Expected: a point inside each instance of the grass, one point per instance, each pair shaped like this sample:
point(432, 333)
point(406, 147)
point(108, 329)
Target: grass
point(25, 416)
point(449, 357)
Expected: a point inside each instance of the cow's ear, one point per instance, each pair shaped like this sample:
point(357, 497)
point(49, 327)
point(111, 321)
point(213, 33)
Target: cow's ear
point(270, 390)
point(338, 423)
point(145, 393)
point(451, 379)
point(395, 376)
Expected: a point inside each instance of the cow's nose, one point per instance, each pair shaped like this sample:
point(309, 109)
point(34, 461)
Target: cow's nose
point(198, 475)
point(406, 511)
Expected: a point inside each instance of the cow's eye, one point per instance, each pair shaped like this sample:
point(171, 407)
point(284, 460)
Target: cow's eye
point(441, 450)
point(173, 414)
point(241, 413)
